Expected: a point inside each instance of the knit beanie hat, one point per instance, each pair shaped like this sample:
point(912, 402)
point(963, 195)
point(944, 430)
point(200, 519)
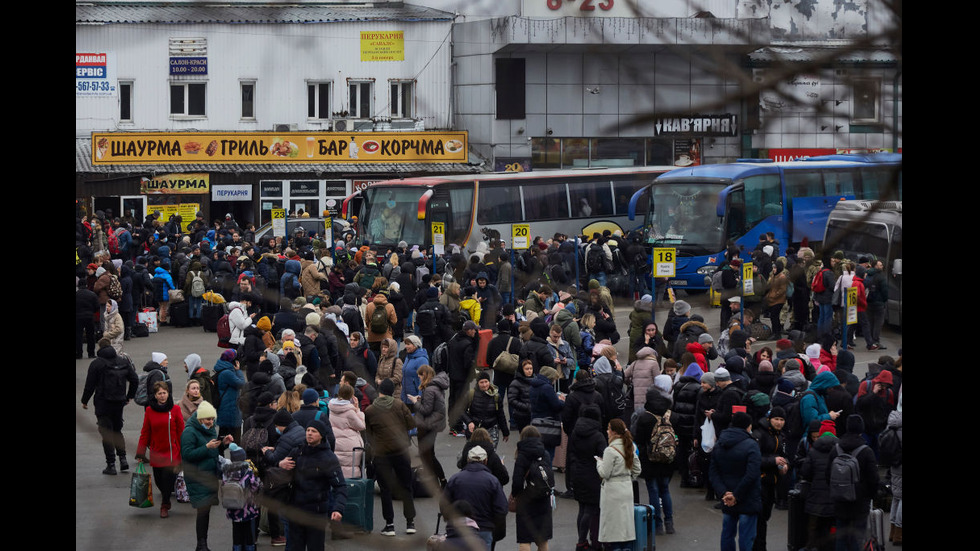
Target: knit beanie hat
point(550, 373)
point(264, 323)
point(282, 418)
point(855, 424)
point(320, 427)
point(237, 453)
point(310, 396)
point(828, 426)
point(681, 308)
point(722, 374)
point(206, 411)
point(741, 420)
point(229, 355)
point(777, 411)
point(387, 387)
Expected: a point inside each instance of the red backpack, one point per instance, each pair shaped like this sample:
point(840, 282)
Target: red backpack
point(817, 284)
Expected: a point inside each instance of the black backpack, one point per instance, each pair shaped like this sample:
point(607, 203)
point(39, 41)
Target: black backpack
point(890, 447)
point(845, 475)
point(115, 380)
point(540, 479)
point(426, 320)
point(615, 401)
point(595, 259)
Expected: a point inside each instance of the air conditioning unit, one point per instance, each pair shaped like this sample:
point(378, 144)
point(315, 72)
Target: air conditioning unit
point(352, 125)
point(285, 127)
point(403, 124)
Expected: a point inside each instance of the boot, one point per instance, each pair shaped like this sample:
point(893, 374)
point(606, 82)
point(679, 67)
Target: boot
point(110, 468)
point(897, 538)
point(669, 525)
point(123, 465)
point(202, 545)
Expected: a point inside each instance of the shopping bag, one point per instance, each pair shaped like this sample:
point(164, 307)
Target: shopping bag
point(707, 436)
point(140, 488)
point(148, 317)
point(180, 489)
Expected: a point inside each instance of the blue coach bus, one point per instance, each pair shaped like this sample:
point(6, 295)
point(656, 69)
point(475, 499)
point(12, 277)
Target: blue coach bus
point(697, 210)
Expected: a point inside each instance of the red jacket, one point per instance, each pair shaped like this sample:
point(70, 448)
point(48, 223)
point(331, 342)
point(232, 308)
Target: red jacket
point(161, 433)
point(858, 283)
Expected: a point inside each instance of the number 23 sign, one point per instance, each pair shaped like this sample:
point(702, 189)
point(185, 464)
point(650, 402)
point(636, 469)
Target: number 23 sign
point(585, 5)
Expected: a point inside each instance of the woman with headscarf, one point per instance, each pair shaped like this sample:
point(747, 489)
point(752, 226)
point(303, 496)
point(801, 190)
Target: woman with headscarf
point(389, 366)
point(642, 373)
point(112, 325)
point(191, 400)
point(163, 424)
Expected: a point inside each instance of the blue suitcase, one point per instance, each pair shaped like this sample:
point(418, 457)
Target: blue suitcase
point(644, 524)
point(359, 512)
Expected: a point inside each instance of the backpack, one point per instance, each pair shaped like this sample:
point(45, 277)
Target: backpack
point(890, 447)
point(115, 288)
point(254, 439)
point(379, 320)
point(817, 284)
point(113, 242)
point(595, 259)
point(662, 447)
point(426, 320)
point(440, 357)
point(845, 475)
point(232, 492)
point(540, 479)
point(224, 332)
point(143, 391)
point(794, 417)
point(615, 401)
point(114, 382)
point(367, 276)
point(507, 361)
point(197, 284)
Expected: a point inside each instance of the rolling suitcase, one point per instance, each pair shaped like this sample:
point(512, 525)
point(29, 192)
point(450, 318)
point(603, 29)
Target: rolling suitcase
point(561, 454)
point(875, 540)
point(797, 521)
point(180, 314)
point(210, 314)
point(359, 512)
point(644, 525)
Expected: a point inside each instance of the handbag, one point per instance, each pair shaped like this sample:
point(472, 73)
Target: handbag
point(277, 483)
point(550, 430)
point(140, 489)
point(180, 489)
point(176, 295)
point(507, 362)
point(511, 504)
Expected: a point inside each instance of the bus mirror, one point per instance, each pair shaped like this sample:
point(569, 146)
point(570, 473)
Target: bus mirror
point(897, 267)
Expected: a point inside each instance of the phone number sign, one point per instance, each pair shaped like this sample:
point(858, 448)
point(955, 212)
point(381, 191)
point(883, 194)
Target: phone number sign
point(95, 74)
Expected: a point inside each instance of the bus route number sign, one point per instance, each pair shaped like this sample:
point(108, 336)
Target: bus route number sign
point(521, 233)
point(852, 309)
point(439, 237)
point(664, 262)
point(279, 222)
point(747, 288)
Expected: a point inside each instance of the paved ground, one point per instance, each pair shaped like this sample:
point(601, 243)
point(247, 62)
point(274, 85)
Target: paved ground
point(105, 522)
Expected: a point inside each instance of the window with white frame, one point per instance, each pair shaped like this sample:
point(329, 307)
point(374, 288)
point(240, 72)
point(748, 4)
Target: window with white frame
point(125, 101)
point(361, 98)
point(317, 100)
point(866, 101)
point(248, 99)
point(402, 99)
point(188, 99)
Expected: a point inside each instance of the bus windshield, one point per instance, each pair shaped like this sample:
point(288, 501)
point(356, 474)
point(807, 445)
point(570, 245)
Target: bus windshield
point(857, 239)
point(391, 215)
point(683, 215)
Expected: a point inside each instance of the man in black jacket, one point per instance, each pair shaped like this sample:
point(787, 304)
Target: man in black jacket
point(108, 377)
point(462, 357)
point(852, 516)
point(86, 307)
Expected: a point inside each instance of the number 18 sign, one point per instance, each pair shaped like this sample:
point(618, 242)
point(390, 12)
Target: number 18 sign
point(664, 262)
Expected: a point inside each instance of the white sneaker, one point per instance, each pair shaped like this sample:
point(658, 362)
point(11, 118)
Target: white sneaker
point(389, 530)
point(410, 528)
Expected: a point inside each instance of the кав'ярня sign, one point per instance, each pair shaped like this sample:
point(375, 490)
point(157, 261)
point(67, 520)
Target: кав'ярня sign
point(277, 147)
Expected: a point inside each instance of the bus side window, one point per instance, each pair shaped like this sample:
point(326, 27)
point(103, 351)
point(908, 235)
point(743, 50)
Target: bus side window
point(735, 217)
point(763, 198)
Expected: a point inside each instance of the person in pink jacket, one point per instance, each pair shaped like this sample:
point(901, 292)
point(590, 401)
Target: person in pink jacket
point(347, 421)
point(642, 372)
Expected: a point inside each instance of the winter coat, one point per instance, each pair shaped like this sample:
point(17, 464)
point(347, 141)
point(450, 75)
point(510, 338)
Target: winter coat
point(656, 404)
point(814, 470)
point(544, 399)
point(536, 349)
point(291, 272)
point(486, 409)
point(534, 523)
point(641, 373)
point(161, 433)
point(462, 356)
point(580, 394)
point(813, 404)
point(476, 485)
point(388, 421)
point(430, 410)
point(113, 327)
point(238, 321)
point(347, 423)
point(867, 487)
point(200, 462)
point(380, 301)
point(390, 367)
point(291, 438)
point(519, 400)
point(640, 317)
point(736, 466)
point(586, 441)
point(616, 496)
point(310, 277)
point(230, 382)
point(318, 483)
point(410, 370)
point(895, 422)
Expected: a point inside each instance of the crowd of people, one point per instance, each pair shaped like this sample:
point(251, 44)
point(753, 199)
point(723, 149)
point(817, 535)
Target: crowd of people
point(338, 356)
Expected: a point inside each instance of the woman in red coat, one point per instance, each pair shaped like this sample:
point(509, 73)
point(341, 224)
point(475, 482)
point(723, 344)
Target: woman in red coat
point(163, 424)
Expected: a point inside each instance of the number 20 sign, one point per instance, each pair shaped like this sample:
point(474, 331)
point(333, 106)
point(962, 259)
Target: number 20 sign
point(664, 262)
